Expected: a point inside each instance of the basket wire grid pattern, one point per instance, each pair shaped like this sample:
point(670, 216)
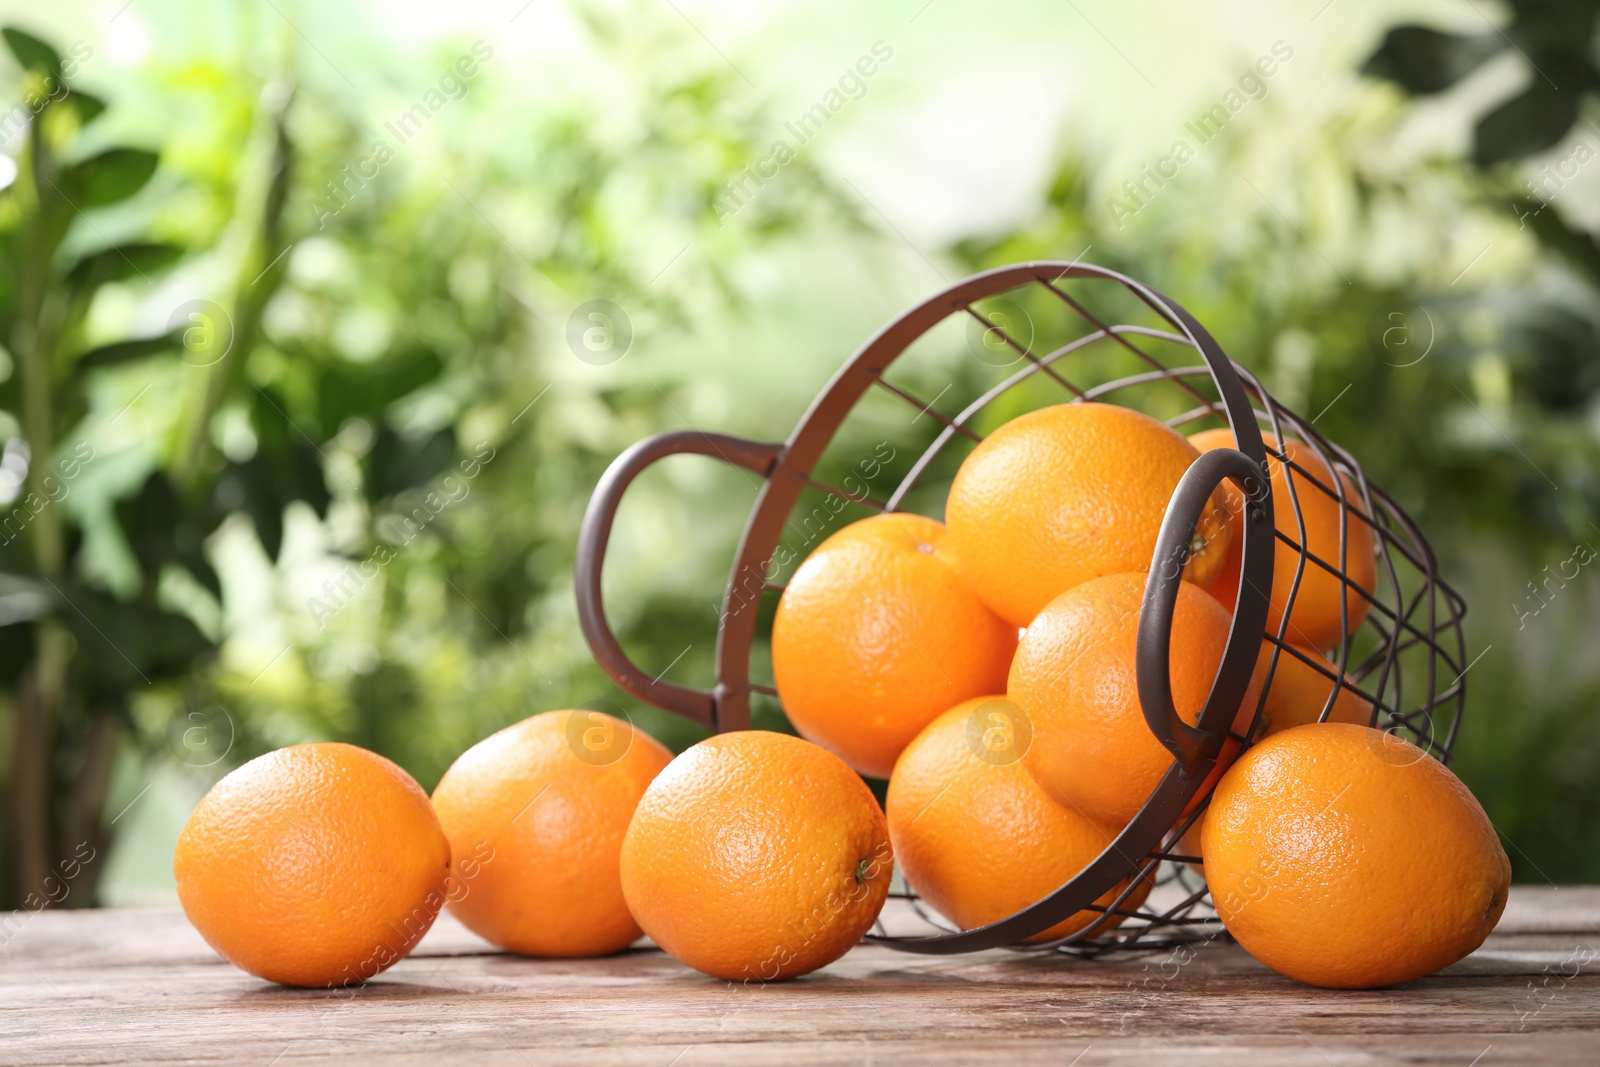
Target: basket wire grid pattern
point(1410, 613)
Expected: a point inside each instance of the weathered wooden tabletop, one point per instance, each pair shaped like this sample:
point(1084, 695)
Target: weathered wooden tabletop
point(90, 987)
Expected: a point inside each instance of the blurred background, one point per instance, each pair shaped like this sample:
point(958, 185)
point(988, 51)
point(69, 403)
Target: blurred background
point(318, 324)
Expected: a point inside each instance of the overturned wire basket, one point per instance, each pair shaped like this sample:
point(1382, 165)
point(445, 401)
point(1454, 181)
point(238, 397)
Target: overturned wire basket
point(1070, 332)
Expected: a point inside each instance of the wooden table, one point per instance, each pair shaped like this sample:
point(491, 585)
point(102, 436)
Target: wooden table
point(141, 987)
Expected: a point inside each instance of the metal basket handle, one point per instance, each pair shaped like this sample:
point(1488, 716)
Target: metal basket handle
point(699, 705)
point(1194, 745)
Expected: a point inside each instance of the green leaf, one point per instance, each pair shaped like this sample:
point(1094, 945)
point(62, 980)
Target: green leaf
point(346, 390)
point(1554, 349)
point(127, 645)
point(1578, 246)
point(123, 351)
point(32, 53)
point(89, 106)
point(122, 262)
point(1426, 61)
point(287, 467)
point(204, 573)
point(161, 527)
point(396, 464)
point(268, 521)
point(110, 177)
point(147, 519)
point(1527, 123)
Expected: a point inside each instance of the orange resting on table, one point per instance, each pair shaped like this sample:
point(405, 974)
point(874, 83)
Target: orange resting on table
point(1347, 857)
point(756, 856)
point(535, 815)
point(315, 865)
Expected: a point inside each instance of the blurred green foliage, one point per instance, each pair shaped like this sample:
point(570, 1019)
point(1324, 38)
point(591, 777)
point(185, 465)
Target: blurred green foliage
point(1519, 514)
point(342, 436)
point(351, 358)
point(72, 650)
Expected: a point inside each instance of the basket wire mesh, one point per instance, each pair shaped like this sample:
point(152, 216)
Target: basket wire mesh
point(1406, 658)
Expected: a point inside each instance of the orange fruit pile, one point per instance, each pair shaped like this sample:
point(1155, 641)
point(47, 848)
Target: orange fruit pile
point(887, 643)
point(1335, 853)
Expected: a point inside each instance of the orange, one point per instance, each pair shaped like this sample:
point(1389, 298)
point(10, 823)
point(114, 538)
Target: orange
point(1343, 856)
point(756, 856)
point(1296, 697)
point(535, 816)
point(974, 834)
point(1074, 677)
point(1314, 618)
point(877, 634)
point(1299, 691)
point(1188, 844)
point(1064, 494)
point(316, 865)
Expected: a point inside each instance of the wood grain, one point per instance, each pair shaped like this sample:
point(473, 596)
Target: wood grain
point(141, 987)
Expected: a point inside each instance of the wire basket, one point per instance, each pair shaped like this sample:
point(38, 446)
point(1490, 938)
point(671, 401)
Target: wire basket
point(1052, 332)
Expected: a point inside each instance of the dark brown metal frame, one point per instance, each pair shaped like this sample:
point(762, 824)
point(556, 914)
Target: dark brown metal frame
point(1427, 617)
